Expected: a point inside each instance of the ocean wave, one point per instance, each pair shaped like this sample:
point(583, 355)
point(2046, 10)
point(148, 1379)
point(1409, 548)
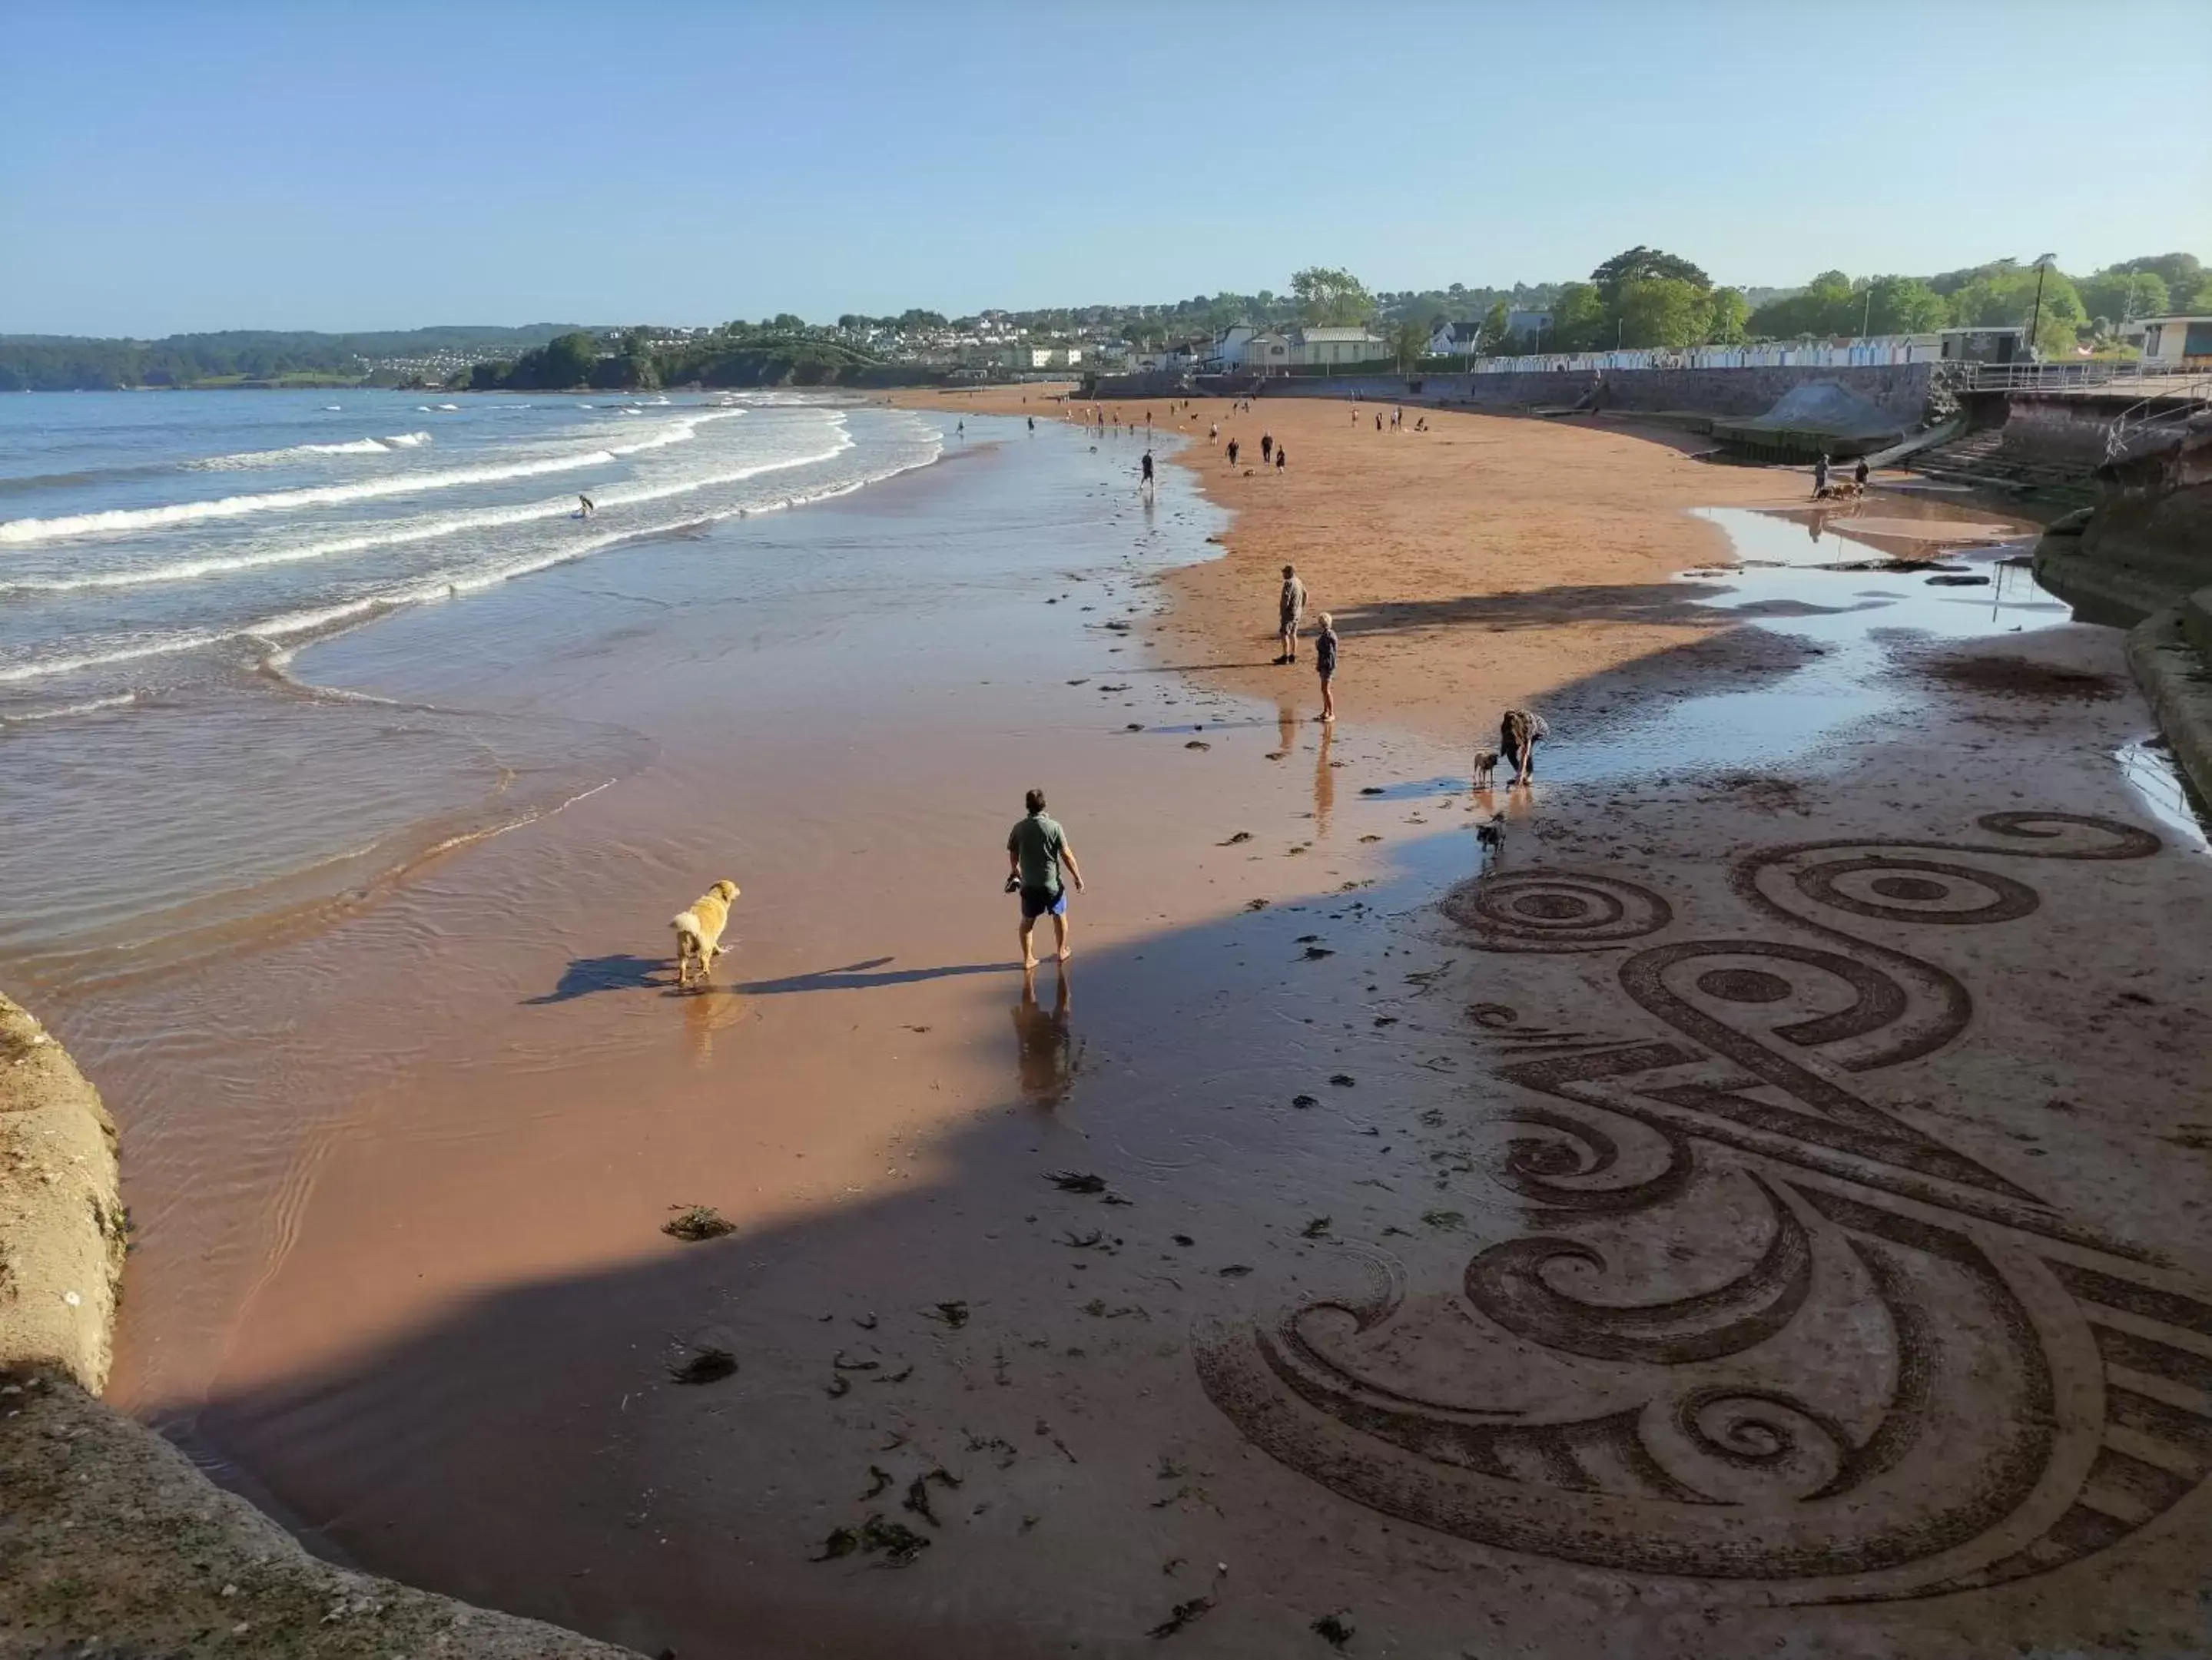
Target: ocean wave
point(427, 531)
point(165, 645)
point(19, 532)
point(89, 707)
point(358, 447)
point(328, 619)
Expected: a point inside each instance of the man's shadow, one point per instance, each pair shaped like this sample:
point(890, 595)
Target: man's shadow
point(622, 972)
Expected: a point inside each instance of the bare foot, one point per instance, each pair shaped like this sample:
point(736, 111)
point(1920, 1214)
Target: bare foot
point(1030, 965)
point(1064, 956)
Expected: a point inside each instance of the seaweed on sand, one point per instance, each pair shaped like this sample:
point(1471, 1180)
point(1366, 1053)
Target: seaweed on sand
point(693, 1223)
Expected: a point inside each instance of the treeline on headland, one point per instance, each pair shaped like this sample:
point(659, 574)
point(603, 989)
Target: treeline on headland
point(259, 357)
point(641, 363)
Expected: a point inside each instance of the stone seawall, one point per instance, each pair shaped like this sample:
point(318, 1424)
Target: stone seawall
point(2142, 558)
point(1900, 390)
point(111, 1542)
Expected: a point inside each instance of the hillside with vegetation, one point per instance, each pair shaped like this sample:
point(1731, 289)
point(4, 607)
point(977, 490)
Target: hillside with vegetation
point(1641, 297)
point(258, 357)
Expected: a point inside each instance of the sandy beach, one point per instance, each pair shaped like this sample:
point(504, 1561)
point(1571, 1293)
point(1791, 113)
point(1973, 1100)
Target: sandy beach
point(1362, 1245)
point(1488, 561)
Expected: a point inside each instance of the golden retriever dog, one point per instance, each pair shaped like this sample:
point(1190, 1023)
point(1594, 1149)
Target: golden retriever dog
point(699, 931)
point(1486, 763)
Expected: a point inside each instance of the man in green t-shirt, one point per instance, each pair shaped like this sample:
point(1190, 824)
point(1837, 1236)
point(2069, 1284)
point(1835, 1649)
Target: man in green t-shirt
point(1036, 849)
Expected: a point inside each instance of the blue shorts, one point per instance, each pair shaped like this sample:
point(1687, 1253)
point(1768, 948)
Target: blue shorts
point(1041, 901)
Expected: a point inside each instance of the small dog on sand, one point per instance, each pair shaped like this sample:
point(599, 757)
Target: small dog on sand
point(1486, 763)
point(1490, 837)
point(699, 931)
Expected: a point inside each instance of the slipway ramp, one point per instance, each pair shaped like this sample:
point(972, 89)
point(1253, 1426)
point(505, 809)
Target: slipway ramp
point(1806, 421)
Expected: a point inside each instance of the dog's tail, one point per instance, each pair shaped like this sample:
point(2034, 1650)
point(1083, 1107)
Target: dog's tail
point(687, 925)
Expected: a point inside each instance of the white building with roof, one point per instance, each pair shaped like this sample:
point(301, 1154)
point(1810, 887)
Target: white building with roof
point(2177, 340)
point(1324, 347)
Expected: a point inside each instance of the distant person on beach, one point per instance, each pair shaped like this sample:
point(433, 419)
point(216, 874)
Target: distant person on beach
point(1266, 447)
point(1032, 419)
point(1146, 483)
point(1036, 848)
point(960, 428)
point(1290, 608)
point(1282, 457)
point(1378, 420)
point(1212, 431)
point(1859, 473)
point(1232, 452)
point(1325, 663)
point(1820, 477)
point(1518, 734)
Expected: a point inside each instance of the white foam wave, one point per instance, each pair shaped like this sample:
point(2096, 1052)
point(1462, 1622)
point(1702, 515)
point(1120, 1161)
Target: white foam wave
point(90, 706)
point(358, 447)
point(426, 531)
point(166, 645)
point(446, 585)
point(19, 532)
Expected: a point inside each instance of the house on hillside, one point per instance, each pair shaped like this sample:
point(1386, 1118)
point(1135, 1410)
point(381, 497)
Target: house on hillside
point(1326, 348)
point(1268, 352)
point(1455, 340)
point(2177, 341)
point(1229, 347)
point(1527, 325)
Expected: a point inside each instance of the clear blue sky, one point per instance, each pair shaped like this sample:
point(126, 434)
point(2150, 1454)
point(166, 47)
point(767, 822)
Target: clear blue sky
point(179, 166)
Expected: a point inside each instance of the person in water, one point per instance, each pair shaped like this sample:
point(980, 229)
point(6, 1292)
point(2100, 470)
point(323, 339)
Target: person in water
point(588, 508)
point(1325, 663)
point(1147, 483)
point(1036, 853)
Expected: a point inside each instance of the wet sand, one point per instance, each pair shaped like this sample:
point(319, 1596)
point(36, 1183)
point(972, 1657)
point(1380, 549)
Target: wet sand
point(400, 1186)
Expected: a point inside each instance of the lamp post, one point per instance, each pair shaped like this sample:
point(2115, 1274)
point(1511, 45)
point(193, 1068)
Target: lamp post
point(2035, 322)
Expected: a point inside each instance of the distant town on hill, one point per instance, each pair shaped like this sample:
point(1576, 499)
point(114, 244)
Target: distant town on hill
point(1642, 297)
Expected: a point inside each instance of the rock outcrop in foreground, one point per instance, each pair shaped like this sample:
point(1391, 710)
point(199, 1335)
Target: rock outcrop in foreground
point(112, 1543)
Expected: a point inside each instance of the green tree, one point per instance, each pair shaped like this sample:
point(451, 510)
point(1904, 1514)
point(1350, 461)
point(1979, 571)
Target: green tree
point(1661, 310)
point(566, 360)
point(1727, 313)
point(1640, 263)
point(2182, 273)
point(1328, 298)
point(1408, 341)
point(2006, 299)
point(1578, 319)
point(1901, 305)
point(1493, 326)
point(1827, 304)
point(2117, 296)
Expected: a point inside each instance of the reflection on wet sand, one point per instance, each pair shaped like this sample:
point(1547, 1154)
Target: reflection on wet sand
point(1046, 1056)
point(1324, 785)
point(707, 1013)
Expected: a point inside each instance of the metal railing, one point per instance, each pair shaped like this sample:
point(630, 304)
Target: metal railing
point(2143, 424)
point(2063, 377)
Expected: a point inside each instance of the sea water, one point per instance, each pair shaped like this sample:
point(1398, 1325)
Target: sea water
point(166, 779)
